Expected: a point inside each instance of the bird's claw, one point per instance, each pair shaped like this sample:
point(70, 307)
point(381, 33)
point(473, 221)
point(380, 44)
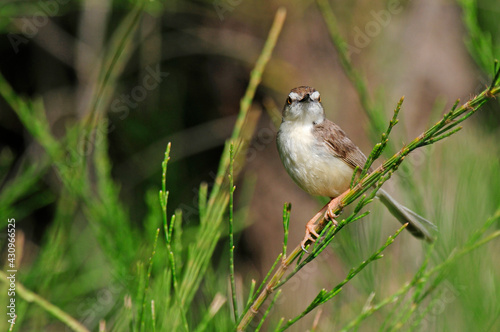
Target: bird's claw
point(303, 248)
point(310, 231)
point(331, 216)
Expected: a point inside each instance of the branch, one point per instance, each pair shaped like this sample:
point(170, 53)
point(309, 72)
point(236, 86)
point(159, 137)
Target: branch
point(55, 311)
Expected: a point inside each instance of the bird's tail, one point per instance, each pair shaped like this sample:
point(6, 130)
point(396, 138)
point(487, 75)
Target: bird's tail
point(417, 225)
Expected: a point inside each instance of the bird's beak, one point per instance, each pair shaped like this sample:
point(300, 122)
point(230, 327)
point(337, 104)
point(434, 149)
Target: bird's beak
point(307, 97)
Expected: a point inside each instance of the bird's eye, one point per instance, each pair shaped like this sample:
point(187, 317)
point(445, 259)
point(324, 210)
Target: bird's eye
point(289, 100)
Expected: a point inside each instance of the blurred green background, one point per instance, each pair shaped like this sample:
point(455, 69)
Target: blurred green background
point(142, 74)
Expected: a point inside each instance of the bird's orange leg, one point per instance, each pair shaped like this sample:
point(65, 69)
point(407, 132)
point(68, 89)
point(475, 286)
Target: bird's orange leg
point(310, 229)
point(311, 224)
point(332, 205)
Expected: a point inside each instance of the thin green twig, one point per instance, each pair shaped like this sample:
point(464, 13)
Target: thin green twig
point(423, 274)
point(231, 240)
point(257, 329)
point(214, 307)
point(256, 74)
point(325, 296)
point(55, 311)
point(251, 294)
point(168, 230)
point(379, 147)
point(254, 302)
point(286, 224)
point(111, 66)
point(120, 41)
point(142, 321)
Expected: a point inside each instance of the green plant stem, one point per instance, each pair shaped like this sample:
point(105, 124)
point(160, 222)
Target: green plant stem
point(168, 230)
point(258, 70)
point(208, 235)
point(142, 322)
point(246, 102)
point(423, 276)
point(478, 42)
point(231, 240)
point(114, 63)
point(324, 296)
point(55, 311)
point(34, 121)
point(268, 311)
point(268, 289)
point(214, 307)
point(286, 223)
point(379, 147)
point(253, 296)
point(380, 174)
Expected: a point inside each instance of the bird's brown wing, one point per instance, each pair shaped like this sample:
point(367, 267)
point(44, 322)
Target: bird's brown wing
point(339, 144)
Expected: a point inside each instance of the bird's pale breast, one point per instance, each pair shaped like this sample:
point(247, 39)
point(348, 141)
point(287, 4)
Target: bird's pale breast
point(310, 163)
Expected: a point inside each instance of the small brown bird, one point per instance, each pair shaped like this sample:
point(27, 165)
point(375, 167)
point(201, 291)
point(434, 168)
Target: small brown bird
point(321, 159)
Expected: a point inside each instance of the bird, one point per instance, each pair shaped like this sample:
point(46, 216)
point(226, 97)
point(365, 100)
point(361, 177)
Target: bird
point(321, 159)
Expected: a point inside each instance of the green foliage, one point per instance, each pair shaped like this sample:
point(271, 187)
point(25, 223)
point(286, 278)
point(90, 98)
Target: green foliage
point(156, 279)
point(480, 41)
point(96, 264)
